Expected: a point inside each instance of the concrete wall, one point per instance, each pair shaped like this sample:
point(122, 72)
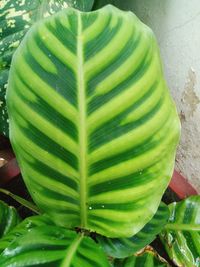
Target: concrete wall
point(176, 24)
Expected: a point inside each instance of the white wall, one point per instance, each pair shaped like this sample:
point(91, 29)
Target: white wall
point(176, 24)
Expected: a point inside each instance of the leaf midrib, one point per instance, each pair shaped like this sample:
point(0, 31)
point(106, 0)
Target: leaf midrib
point(71, 251)
point(82, 131)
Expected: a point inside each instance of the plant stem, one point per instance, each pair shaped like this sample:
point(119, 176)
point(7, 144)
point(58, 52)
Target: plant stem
point(182, 227)
point(21, 200)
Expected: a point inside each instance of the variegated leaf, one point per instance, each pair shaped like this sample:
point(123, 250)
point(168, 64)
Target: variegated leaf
point(53, 246)
point(181, 236)
point(92, 122)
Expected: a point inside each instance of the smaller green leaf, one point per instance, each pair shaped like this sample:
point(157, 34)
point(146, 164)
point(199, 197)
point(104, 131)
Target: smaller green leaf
point(53, 246)
point(9, 218)
point(21, 201)
point(181, 236)
point(22, 229)
point(124, 247)
point(148, 258)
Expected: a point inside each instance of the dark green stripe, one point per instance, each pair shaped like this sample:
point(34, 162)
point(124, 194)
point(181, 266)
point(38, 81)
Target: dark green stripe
point(97, 44)
point(88, 20)
point(56, 196)
point(105, 133)
point(126, 206)
point(48, 113)
point(116, 62)
point(99, 101)
point(73, 21)
point(44, 142)
point(125, 156)
point(63, 34)
point(135, 179)
point(49, 171)
point(66, 87)
point(93, 219)
point(188, 210)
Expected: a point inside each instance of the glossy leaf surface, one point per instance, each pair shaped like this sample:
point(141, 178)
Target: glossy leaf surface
point(92, 122)
point(9, 218)
point(53, 246)
point(124, 247)
point(22, 229)
point(16, 17)
point(182, 235)
point(148, 258)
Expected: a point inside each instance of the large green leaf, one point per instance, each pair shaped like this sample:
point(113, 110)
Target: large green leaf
point(148, 258)
point(182, 235)
point(124, 247)
point(16, 17)
point(23, 228)
point(92, 123)
point(53, 246)
point(9, 218)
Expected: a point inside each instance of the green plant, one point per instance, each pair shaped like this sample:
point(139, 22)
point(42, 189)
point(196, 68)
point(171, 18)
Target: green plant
point(92, 123)
point(95, 132)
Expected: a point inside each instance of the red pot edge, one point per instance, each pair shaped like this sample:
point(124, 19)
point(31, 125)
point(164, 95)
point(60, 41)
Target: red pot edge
point(181, 187)
point(178, 184)
point(9, 171)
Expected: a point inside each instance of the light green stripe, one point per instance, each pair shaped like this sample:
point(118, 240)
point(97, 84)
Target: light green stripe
point(108, 53)
point(135, 137)
point(149, 103)
point(44, 156)
point(57, 49)
point(134, 165)
point(45, 91)
point(42, 59)
point(51, 203)
point(43, 125)
point(95, 29)
point(128, 195)
point(53, 185)
point(128, 67)
point(126, 98)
